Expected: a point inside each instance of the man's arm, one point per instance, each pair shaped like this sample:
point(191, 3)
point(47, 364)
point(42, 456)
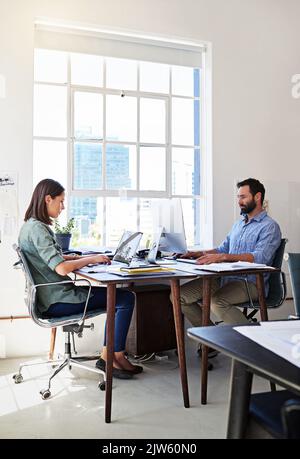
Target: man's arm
point(215, 257)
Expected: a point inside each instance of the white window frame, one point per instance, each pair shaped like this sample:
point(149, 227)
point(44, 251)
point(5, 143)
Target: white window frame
point(205, 146)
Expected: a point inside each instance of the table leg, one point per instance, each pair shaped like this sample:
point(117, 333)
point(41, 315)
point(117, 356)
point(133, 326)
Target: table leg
point(204, 349)
point(52, 343)
point(110, 331)
point(261, 296)
point(240, 391)
point(175, 289)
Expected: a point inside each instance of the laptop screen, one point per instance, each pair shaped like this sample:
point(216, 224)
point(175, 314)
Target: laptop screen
point(127, 246)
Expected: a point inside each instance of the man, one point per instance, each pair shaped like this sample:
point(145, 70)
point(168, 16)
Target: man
point(253, 238)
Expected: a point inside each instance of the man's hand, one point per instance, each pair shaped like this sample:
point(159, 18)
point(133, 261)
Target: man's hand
point(189, 255)
point(208, 258)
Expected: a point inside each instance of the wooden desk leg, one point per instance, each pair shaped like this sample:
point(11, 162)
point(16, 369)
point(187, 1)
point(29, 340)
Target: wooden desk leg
point(204, 349)
point(52, 343)
point(240, 391)
point(110, 332)
point(261, 296)
point(175, 289)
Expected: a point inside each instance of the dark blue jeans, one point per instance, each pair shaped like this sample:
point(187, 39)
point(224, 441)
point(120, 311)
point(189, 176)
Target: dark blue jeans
point(124, 310)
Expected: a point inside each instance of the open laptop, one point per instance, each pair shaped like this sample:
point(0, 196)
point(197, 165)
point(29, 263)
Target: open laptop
point(192, 261)
point(127, 248)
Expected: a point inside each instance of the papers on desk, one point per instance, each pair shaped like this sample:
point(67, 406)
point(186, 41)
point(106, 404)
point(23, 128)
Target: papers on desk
point(238, 265)
point(280, 337)
point(124, 272)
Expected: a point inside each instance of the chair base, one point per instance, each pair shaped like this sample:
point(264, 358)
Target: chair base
point(66, 361)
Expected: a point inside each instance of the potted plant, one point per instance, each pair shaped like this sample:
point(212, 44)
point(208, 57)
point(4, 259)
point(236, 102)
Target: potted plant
point(64, 233)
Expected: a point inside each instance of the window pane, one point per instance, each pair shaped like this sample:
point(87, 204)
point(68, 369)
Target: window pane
point(182, 121)
point(50, 66)
point(191, 216)
point(88, 214)
point(50, 111)
point(121, 118)
point(88, 115)
point(146, 222)
point(185, 171)
point(183, 81)
point(120, 166)
point(87, 166)
point(121, 215)
point(154, 77)
point(152, 120)
point(121, 74)
point(153, 168)
point(86, 70)
point(55, 169)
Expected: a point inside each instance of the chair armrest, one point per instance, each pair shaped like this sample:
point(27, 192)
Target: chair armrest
point(74, 282)
point(290, 415)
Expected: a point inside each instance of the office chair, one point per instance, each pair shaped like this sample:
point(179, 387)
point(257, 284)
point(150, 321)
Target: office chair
point(294, 269)
point(70, 324)
point(277, 287)
point(278, 413)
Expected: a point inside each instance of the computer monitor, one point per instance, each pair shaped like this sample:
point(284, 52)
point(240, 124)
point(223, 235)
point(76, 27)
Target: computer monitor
point(168, 227)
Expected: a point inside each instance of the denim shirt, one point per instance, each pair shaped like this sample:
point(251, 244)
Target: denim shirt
point(260, 236)
point(38, 242)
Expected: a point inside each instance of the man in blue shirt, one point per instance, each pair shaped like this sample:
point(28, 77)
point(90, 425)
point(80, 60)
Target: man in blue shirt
point(253, 238)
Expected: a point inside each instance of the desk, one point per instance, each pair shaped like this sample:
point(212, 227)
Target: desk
point(111, 281)
point(207, 278)
point(248, 358)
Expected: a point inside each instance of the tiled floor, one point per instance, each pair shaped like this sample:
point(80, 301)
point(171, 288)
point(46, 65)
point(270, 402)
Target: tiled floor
point(150, 406)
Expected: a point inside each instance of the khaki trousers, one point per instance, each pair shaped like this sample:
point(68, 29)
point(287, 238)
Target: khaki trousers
point(223, 300)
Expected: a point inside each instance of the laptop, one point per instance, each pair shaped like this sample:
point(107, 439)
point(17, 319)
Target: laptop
point(127, 248)
point(192, 261)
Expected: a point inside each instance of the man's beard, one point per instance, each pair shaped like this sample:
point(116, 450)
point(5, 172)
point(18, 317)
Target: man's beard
point(248, 208)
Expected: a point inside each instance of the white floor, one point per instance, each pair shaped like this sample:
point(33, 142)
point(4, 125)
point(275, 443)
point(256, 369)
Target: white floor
point(150, 406)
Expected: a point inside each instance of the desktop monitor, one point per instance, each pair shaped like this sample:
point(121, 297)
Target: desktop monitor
point(168, 226)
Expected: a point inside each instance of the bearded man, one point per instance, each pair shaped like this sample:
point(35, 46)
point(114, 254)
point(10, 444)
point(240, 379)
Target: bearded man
point(253, 238)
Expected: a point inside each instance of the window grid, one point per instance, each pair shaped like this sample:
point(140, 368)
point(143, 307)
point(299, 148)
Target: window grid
point(71, 139)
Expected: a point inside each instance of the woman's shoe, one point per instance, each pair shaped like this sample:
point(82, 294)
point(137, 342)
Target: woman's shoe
point(137, 369)
point(116, 372)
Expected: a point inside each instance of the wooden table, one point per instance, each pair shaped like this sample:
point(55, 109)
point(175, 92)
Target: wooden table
point(111, 281)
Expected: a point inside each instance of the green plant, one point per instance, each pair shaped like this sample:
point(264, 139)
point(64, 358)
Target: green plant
point(67, 229)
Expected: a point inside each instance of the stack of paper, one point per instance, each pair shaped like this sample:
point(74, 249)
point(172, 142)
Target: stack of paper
point(238, 265)
point(280, 337)
point(143, 271)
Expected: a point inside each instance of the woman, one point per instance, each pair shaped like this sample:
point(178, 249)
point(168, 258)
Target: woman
point(48, 264)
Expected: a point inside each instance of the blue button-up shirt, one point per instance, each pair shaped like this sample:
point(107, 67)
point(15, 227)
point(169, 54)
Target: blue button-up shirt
point(260, 236)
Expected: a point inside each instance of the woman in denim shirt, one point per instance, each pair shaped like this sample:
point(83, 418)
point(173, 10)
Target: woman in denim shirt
point(48, 264)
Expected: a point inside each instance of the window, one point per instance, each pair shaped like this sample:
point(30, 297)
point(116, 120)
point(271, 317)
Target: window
point(118, 133)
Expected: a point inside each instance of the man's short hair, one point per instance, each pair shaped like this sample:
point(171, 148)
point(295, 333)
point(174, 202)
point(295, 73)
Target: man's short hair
point(254, 186)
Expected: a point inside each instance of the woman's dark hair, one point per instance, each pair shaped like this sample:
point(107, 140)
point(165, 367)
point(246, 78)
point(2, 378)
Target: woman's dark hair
point(255, 186)
point(37, 207)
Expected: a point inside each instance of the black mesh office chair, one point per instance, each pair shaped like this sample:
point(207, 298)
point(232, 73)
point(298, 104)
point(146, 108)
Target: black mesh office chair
point(294, 269)
point(72, 324)
point(277, 286)
point(278, 413)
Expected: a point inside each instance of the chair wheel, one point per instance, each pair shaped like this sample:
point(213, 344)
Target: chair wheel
point(18, 378)
point(45, 394)
point(101, 385)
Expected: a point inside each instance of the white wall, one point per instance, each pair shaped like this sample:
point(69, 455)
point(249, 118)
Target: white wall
point(256, 50)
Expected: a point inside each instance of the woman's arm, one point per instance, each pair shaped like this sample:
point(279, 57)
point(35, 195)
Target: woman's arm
point(77, 262)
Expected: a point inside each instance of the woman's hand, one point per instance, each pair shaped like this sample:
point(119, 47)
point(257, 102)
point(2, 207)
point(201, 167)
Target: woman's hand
point(102, 259)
